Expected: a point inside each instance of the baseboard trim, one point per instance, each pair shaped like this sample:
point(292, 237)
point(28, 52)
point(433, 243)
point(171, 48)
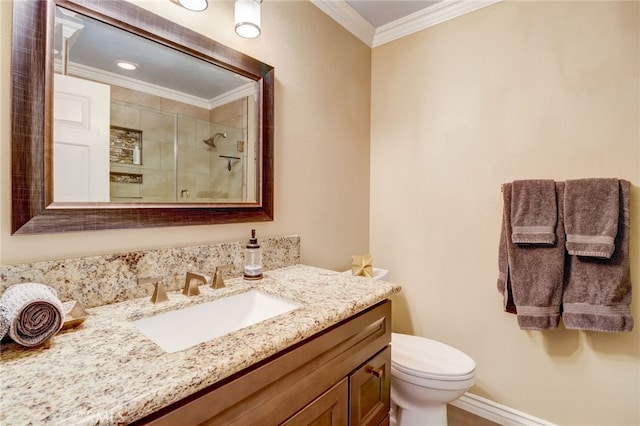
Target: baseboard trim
point(495, 412)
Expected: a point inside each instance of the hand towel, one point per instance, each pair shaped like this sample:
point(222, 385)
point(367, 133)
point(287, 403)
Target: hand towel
point(533, 212)
point(35, 313)
point(597, 293)
point(591, 216)
point(536, 272)
point(504, 282)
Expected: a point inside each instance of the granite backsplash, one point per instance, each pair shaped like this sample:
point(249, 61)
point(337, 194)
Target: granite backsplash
point(101, 280)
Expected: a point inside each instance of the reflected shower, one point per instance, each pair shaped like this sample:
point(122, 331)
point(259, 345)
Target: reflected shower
point(212, 140)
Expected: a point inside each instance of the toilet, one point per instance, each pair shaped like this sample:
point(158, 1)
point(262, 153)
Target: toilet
point(425, 376)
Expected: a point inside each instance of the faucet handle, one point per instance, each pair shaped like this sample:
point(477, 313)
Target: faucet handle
point(218, 280)
point(192, 289)
point(159, 292)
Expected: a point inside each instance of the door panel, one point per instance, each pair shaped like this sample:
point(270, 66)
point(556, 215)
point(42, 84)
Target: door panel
point(81, 140)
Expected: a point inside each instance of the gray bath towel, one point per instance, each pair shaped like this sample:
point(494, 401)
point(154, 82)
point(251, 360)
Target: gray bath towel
point(34, 311)
point(597, 293)
point(536, 272)
point(533, 212)
point(591, 216)
point(504, 282)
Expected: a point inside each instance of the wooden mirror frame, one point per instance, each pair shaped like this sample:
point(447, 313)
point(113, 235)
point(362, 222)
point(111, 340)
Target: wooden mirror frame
point(33, 209)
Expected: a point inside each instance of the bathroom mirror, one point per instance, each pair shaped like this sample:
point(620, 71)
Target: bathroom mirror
point(188, 139)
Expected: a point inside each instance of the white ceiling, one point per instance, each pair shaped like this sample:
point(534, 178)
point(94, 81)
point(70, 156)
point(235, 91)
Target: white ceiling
point(377, 22)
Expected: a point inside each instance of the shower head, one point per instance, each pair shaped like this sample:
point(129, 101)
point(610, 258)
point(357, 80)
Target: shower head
point(212, 140)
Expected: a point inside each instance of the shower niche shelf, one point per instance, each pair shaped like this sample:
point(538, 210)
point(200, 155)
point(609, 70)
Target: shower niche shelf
point(117, 177)
point(125, 146)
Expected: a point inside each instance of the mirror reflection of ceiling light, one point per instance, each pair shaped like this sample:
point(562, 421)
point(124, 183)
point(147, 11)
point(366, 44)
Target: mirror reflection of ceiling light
point(126, 65)
point(247, 14)
point(195, 5)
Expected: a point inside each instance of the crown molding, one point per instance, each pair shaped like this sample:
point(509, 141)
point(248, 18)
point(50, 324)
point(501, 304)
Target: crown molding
point(106, 77)
point(440, 12)
point(428, 17)
point(346, 16)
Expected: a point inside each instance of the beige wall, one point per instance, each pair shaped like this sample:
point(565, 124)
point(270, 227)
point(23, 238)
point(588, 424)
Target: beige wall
point(514, 91)
point(322, 100)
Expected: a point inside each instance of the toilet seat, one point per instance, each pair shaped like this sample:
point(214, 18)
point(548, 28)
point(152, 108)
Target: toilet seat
point(425, 358)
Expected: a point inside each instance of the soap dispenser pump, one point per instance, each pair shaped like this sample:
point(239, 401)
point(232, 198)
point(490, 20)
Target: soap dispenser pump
point(253, 259)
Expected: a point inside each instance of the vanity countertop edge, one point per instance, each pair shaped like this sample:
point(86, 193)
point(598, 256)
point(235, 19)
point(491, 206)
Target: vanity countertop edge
point(107, 372)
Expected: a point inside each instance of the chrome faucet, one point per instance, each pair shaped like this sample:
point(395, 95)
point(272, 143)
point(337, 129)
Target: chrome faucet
point(192, 289)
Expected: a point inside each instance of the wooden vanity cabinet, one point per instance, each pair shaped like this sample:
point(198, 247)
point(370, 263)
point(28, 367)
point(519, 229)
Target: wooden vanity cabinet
point(339, 376)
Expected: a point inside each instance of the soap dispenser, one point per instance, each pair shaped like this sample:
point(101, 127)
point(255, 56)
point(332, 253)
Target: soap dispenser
point(253, 259)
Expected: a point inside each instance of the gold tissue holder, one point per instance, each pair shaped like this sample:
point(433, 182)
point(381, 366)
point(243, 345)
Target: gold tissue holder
point(361, 265)
point(74, 314)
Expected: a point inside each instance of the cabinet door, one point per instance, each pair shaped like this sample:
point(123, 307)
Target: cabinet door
point(329, 409)
point(370, 390)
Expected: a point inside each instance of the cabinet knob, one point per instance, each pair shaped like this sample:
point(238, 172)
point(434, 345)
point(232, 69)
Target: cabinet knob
point(378, 372)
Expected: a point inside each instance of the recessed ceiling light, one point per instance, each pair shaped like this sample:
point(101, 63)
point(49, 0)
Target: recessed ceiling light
point(126, 65)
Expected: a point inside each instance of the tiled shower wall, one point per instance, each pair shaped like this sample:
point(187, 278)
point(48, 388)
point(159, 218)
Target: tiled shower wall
point(100, 280)
point(203, 175)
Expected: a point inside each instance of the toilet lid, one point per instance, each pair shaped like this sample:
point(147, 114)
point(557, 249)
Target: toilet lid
point(428, 358)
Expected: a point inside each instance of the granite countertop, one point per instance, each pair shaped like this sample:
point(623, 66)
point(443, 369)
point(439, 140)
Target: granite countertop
point(107, 372)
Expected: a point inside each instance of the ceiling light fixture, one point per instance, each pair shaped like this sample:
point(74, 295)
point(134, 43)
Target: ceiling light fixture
point(248, 18)
point(195, 5)
point(126, 65)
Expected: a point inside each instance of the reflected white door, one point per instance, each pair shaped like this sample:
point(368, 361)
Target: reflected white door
point(81, 113)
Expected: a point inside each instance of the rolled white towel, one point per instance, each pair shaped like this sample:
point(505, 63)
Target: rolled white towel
point(34, 311)
point(4, 321)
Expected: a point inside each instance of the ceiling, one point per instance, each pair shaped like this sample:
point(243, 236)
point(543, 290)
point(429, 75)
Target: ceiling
point(198, 82)
point(381, 12)
point(377, 22)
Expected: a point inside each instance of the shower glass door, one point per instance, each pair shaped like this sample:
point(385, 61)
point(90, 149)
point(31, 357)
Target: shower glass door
point(211, 155)
point(182, 153)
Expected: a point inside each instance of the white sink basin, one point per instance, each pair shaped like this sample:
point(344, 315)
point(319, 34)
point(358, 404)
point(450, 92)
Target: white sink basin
point(180, 329)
